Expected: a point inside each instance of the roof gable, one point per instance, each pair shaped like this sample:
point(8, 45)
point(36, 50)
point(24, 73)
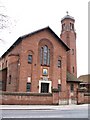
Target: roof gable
point(72, 78)
point(32, 33)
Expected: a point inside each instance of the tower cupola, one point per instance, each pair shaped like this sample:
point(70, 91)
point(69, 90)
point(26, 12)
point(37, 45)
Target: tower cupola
point(67, 23)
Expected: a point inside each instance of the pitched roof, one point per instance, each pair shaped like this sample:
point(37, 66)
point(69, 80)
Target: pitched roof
point(72, 78)
point(32, 33)
point(85, 78)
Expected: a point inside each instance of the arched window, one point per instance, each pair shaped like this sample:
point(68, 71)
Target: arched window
point(71, 26)
point(73, 69)
point(45, 55)
point(63, 27)
point(9, 79)
point(59, 61)
point(30, 59)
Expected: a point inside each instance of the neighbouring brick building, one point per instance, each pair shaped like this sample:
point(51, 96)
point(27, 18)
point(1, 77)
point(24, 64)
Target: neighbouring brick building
point(85, 82)
point(41, 64)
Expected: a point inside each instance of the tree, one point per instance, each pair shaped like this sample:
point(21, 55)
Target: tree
point(6, 22)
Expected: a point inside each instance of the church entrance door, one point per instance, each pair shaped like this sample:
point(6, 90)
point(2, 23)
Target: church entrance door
point(44, 87)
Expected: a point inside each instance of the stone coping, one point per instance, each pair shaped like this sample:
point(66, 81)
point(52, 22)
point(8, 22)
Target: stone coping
point(25, 94)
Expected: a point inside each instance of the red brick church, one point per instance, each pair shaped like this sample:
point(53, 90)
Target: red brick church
point(40, 67)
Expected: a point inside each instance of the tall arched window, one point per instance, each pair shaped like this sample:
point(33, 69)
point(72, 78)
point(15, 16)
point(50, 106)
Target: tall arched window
point(41, 55)
point(45, 55)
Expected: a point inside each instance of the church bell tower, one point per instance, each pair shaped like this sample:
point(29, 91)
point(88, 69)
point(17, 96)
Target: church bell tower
point(68, 35)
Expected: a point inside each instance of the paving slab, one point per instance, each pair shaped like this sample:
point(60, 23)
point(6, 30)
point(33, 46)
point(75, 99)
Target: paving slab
point(39, 107)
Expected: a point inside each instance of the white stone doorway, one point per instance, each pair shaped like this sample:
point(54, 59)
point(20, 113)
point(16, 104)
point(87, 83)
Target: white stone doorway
point(45, 86)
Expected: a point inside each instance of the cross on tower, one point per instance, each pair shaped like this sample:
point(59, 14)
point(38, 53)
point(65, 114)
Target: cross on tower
point(67, 12)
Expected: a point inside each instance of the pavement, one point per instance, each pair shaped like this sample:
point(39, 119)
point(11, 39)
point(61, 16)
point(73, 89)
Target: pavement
point(41, 107)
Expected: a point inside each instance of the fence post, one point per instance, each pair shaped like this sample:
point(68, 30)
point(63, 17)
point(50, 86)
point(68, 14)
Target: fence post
point(77, 95)
point(68, 96)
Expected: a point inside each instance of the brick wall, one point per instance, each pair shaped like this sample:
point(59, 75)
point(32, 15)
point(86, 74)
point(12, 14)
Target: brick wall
point(31, 45)
point(44, 99)
point(10, 62)
point(25, 98)
point(83, 97)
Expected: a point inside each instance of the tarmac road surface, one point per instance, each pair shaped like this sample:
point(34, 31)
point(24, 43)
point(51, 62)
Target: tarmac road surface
point(72, 111)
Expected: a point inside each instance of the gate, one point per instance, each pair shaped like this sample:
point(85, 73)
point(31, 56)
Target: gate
point(67, 97)
point(73, 97)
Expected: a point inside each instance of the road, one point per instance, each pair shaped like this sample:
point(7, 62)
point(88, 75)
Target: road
point(65, 112)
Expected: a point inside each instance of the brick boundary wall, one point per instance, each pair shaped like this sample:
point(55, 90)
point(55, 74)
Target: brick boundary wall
point(25, 98)
point(18, 98)
point(87, 98)
point(83, 97)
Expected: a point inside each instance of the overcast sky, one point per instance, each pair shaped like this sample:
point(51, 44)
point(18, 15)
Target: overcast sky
point(29, 15)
